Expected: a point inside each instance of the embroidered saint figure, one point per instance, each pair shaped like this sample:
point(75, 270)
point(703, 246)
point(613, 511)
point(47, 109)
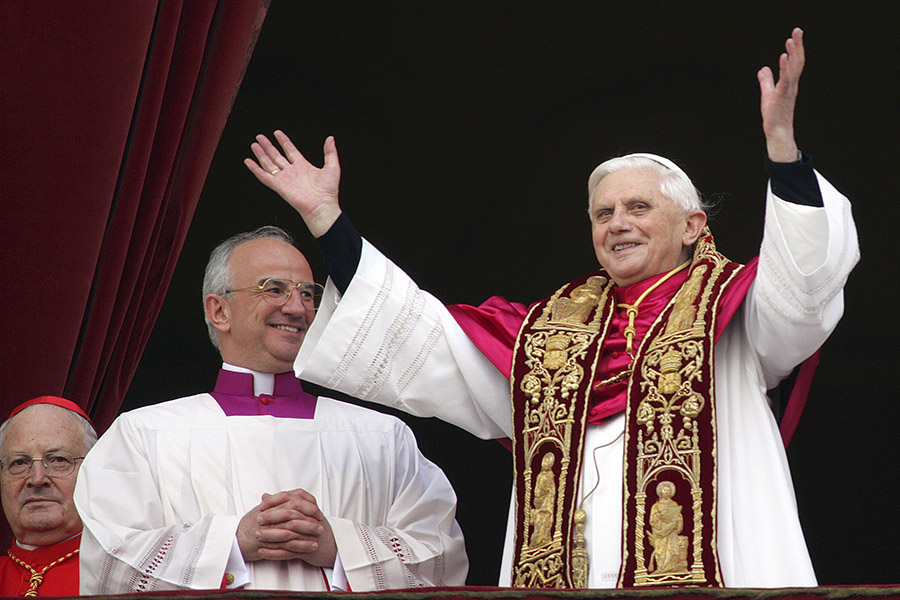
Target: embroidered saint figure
point(544, 503)
point(684, 312)
point(576, 309)
point(666, 522)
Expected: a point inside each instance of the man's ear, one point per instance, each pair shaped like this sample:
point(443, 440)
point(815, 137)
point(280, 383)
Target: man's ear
point(695, 222)
point(218, 312)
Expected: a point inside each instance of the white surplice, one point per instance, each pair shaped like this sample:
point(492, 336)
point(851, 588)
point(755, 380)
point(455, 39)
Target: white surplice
point(162, 492)
point(388, 342)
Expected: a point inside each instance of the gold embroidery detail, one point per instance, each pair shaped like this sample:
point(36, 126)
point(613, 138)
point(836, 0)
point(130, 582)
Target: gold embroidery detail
point(683, 311)
point(668, 444)
point(580, 565)
point(575, 309)
point(554, 350)
point(666, 523)
point(669, 377)
point(544, 503)
point(556, 353)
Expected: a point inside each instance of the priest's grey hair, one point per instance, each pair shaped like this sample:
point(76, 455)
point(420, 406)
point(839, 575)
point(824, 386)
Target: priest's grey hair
point(218, 276)
point(674, 183)
point(88, 435)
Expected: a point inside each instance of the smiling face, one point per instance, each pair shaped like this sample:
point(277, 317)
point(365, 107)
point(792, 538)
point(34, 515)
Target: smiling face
point(252, 333)
point(637, 231)
point(39, 508)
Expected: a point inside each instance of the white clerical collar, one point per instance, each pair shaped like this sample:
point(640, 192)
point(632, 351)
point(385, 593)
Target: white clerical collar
point(263, 383)
point(33, 547)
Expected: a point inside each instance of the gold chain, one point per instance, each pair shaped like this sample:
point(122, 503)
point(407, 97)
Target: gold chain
point(38, 578)
point(632, 309)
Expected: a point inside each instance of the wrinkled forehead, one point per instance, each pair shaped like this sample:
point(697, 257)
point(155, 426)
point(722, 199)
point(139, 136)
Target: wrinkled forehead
point(629, 183)
point(258, 259)
point(42, 427)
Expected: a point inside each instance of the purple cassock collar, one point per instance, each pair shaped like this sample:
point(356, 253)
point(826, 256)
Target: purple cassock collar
point(234, 393)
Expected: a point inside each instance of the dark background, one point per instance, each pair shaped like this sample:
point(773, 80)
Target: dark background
point(466, 133)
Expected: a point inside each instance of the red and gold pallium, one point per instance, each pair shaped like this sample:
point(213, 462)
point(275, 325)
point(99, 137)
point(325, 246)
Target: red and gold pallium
point(669, 535)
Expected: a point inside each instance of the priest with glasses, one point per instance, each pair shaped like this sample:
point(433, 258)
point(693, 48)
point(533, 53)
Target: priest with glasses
point(260, 484)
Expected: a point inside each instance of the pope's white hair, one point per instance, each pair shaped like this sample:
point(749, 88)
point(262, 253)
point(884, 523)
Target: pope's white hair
point(673, 182)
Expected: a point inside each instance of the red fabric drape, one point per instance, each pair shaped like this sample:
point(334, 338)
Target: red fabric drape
point(110, 115)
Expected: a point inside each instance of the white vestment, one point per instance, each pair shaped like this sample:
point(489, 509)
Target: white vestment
point(388, 342)
point(162, 492)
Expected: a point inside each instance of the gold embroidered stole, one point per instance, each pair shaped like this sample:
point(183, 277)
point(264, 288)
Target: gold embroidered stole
point(670, 471)
point(554, 362)
point(670, 446)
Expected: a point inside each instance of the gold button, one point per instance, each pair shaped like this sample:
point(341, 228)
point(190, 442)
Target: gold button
point(229, 578)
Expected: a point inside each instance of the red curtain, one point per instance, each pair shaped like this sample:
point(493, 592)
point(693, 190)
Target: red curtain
point(110, 114)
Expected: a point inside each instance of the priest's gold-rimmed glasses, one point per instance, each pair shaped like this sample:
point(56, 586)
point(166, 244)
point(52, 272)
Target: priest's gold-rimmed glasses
point(56, 464)
point(278, 291)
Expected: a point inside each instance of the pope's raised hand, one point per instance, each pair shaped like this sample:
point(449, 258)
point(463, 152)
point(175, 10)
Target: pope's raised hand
point(777, 100)
point(312, 191)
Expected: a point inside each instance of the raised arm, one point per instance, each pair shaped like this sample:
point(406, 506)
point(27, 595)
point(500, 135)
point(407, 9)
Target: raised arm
point(777, 100)
point(312, 191)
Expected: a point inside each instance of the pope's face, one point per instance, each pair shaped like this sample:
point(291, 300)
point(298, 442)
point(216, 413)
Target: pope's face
point(39, 508)
point(258, 335)
point(637, 231)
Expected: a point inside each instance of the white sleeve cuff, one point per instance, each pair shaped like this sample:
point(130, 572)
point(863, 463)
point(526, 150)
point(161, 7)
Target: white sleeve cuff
point(237, 568)
point(337, 578)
